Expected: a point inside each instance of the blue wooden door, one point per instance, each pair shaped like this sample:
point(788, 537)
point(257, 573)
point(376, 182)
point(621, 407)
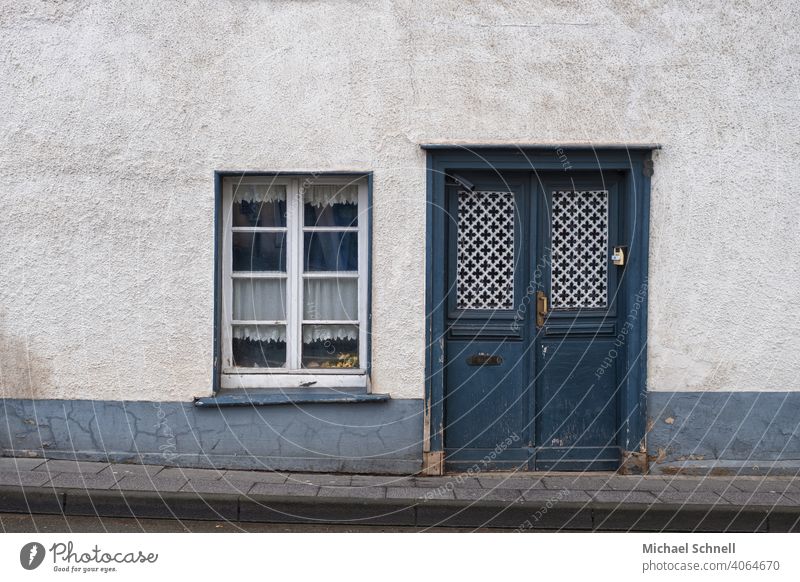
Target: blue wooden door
point(531, 364)
point(489, 363)
point(577, 405)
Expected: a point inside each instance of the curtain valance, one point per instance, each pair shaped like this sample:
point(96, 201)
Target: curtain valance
point(259, 193)
point(330, 194)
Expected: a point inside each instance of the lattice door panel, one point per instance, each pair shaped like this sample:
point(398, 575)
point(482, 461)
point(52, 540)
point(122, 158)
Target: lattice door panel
point(485, 256)
point(579, 230)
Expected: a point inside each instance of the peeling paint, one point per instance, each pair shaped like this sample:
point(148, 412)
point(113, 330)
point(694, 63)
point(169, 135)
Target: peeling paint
point(634, 463)
point(736, 428)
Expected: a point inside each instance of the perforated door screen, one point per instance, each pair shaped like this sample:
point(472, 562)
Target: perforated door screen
point(579, 249)
point(485, 258)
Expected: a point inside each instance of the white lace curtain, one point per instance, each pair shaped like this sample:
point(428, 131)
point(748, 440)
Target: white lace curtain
point(262, 193)
point(329, 194)
point(328, 299)
point(311, 333)
point(316, 194)
point(260, 332)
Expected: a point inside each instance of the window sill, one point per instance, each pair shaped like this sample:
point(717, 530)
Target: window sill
point(227, 398)
point(350, 381)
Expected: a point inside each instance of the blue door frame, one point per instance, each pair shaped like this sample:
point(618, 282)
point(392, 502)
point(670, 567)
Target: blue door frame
point(635, 165)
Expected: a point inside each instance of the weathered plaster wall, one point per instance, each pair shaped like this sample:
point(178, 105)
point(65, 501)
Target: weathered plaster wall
point(380, 437)
point(116, 113)
point(702, 432)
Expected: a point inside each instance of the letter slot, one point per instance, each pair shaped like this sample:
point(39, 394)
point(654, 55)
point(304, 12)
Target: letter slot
point(483, 359)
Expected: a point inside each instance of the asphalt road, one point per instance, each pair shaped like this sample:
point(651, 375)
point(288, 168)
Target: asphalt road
point(21, 523)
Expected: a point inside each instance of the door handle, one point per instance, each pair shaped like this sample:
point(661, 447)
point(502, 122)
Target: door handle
point(541, 308)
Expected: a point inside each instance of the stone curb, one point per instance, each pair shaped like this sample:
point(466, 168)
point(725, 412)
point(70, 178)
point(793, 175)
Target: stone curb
point(519, 516)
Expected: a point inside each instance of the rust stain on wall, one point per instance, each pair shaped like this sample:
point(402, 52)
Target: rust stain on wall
point(23, 374)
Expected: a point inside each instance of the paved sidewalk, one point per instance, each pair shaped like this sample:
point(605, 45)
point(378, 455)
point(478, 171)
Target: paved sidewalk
point(519, 501)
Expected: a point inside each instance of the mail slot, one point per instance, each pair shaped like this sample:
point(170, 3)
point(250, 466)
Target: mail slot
point(481, 359)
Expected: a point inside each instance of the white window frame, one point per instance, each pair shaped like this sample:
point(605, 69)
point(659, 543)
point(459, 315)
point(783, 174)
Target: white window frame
point(292, 375)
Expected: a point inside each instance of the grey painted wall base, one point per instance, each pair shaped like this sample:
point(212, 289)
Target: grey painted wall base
point(748, 433)
point(752, 433)
point(719, 468)
point(369, 437)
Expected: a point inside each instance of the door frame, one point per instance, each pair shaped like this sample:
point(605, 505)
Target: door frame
point(635, 162)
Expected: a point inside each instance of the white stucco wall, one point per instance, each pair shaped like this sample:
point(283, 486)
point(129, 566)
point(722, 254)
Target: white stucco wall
point(116, 113)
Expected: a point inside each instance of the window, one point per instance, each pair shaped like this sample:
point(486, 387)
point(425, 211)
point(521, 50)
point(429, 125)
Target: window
point(294, 276)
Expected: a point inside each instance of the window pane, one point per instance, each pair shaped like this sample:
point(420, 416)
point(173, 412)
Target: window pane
point(330, 346)
point(259, 251)
point(329, 205)
point(330, 299)
point(331, 251)
point(259, 346)
point(579, 269)
point(259, 205)
point(259, 299)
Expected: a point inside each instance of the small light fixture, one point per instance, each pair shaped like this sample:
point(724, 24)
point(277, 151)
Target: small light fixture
point(466, 184)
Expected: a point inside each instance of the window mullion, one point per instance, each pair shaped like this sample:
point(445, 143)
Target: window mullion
point(226, 279)
point(294, 272)
point(298, 278)
point(363, 272)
